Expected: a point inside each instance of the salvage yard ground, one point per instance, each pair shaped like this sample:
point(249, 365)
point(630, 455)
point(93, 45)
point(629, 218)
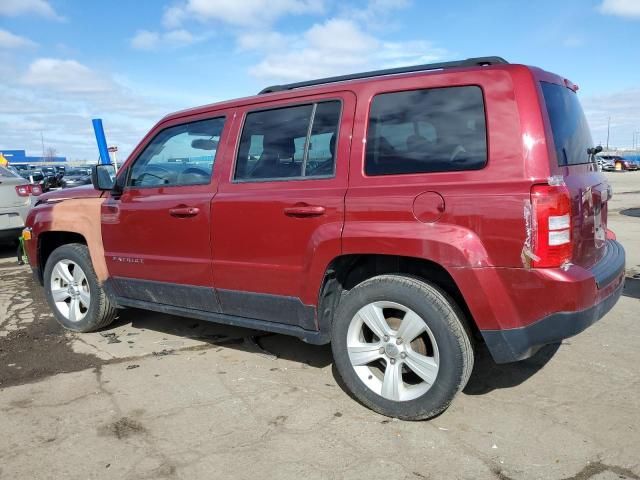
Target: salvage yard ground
point(155, 396)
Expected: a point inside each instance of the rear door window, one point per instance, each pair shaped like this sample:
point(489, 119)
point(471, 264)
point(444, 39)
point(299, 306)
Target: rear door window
point(429, 130)
point(571, 134)
point(288, 143)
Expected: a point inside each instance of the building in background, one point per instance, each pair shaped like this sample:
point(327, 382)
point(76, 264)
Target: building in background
point(20, 157)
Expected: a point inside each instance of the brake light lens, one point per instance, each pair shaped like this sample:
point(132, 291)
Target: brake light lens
point(26, 190)
point(552, 238)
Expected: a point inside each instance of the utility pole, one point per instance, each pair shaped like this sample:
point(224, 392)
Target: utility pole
point(42, 141)
point(608, 131)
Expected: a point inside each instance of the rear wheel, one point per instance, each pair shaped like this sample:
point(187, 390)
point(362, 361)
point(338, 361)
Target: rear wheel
point(72, 289)
point(400, 346)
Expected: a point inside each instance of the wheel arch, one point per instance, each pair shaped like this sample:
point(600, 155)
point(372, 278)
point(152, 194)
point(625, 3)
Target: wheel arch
point(346, 271)
point(49, 240)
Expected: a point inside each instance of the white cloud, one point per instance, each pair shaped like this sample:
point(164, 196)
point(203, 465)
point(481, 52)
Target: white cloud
point(339, 46)
point(146, 40)
point(376, 11)
point(173, 16)
point(239, 13)
point(67, 76)
point(60, 97)
point(258, 40)
point(622, 8)
point(13, 8)
point(622, 107)
point(10, 40)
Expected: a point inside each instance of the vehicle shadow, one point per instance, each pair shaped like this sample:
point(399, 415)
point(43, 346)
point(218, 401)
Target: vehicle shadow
point(487, 375)
point(632, 287)
point(225, 336)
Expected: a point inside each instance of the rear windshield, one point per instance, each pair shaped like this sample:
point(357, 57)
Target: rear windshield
point(7, 173)
point(571, 133)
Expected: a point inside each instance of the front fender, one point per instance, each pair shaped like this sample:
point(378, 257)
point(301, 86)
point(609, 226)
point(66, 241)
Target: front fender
point(78, 215)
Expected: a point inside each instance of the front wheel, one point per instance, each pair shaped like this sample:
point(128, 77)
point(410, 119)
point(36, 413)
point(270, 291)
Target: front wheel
point(400, 347)
point(73, 292)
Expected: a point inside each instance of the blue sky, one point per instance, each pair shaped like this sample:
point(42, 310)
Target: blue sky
point(130, 63)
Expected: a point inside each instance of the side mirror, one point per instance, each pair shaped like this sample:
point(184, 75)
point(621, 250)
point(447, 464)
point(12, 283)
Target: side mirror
point(103, 176)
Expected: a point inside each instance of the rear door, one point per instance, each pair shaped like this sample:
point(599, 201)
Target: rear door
point(157, 234)
point(589, 188)
point(279, 212)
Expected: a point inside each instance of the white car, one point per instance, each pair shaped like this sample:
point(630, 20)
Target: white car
point(16, 194)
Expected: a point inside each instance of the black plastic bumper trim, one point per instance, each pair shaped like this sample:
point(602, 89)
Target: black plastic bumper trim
point(610, 265)
point(313, 337)
point(517, 344)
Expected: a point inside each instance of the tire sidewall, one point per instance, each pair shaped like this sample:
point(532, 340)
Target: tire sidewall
point(78, 254)
point(436, 312)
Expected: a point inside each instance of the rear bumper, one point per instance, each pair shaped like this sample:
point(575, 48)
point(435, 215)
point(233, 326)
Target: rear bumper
point(520, 343)
point(519, 310)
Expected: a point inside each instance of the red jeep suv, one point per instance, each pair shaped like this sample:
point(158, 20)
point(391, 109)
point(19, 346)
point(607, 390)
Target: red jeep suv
point(403, 215)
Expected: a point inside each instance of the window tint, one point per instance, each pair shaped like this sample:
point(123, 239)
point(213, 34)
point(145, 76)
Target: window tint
point(431, 130)
point(571, 134)
point(180, 155)
point(290, 142)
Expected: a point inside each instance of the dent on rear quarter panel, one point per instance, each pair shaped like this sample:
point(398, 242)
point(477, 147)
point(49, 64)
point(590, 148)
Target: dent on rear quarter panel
point(82, 216)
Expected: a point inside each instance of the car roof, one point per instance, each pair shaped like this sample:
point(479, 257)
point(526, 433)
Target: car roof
point(326, 85)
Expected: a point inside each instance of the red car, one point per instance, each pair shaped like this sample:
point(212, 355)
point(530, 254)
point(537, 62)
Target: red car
point(403, 215)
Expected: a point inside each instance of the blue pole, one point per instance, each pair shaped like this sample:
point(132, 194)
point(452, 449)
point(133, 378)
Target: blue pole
point(102, 141)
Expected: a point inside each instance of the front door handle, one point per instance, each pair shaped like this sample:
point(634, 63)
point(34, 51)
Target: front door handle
point(184, 212)
point(304, 211)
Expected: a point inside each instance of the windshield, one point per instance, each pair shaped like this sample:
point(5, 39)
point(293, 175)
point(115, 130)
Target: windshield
point(571, 133)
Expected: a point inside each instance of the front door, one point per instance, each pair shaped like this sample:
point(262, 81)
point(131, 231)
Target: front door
point(156, 234)
point(279, 211)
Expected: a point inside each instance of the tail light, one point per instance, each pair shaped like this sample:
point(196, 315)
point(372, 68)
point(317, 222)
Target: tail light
point(26, 190)
point(552, 241)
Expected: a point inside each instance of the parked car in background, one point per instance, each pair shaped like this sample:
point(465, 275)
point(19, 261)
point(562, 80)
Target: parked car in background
point(75, 177)
point(630, 164)
point(366, 211)
point(35, 177)
point(625, 164)
point(606, 165)
point(15, 202)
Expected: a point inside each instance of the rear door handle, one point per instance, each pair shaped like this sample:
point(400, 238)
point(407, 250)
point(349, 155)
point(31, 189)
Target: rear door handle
point(304, 211)
point(183, 212)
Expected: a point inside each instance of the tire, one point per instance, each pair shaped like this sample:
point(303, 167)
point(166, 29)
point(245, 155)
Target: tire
point(442, 352)
point(60, 274)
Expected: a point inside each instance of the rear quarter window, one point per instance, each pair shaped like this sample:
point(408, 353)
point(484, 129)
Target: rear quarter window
point(571, 134)
point(428, 130)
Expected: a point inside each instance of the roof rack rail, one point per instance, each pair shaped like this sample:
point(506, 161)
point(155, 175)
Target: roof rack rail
point(469, 62)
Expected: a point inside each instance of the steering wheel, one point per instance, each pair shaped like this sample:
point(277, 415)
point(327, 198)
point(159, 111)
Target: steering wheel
point(149, 174)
